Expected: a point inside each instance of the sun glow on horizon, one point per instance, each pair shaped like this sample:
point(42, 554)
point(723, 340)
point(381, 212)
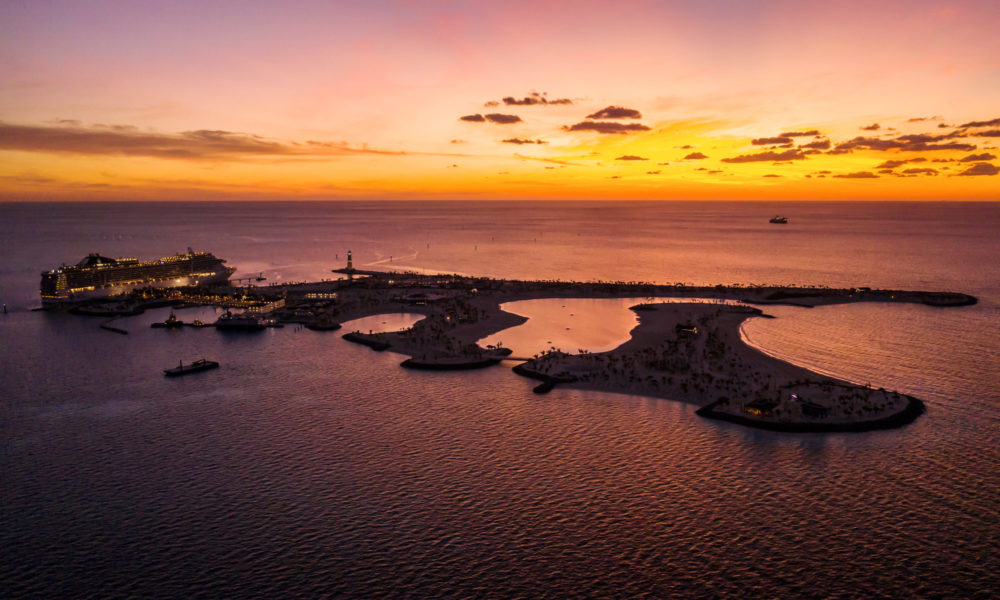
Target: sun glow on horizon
point(402, 101)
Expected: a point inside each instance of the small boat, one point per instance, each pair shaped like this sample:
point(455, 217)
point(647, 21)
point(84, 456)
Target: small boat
point(779, 220)
point(198, 323)
point(241, 322)
point(172, 322)
point(198, 365)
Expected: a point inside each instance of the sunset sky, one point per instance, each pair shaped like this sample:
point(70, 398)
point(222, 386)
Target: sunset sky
point(500, 100)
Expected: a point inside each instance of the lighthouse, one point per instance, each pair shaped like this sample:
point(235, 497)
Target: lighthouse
point(350, 263)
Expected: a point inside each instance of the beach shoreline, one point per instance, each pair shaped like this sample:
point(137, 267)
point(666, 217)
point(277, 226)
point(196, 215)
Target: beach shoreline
point(688, 349)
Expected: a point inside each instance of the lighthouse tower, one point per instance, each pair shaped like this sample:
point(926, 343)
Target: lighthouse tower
point(350, 263)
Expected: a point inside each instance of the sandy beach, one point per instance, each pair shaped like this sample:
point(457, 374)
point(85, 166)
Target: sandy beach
point(687, 350)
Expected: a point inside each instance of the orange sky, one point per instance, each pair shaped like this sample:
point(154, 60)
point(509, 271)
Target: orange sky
point(449, 100)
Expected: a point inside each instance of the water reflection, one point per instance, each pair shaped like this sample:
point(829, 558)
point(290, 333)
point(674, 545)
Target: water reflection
point(569, 324)
point(383, 323)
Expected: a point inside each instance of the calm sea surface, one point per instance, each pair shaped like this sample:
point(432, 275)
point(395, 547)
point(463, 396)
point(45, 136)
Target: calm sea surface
point(309, 467)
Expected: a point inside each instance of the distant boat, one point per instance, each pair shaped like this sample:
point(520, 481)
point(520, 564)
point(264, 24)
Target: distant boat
point(779, 220)
point(198, 365)
point(198, 323)
point(242, 322)
point(172, 322)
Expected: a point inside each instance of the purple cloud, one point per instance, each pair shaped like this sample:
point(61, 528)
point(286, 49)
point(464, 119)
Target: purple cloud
point(981, 169)
point(607, 127)
point(516, 140)
point(616, 112)
point(990, 123)
point(502, 119)
point(770, 141)
point(793, 154)
point(534, 99)
point(977, 157)
point(857, 175)
point(817, 145)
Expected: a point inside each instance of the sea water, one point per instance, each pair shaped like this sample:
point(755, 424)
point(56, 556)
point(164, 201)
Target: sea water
point(306, 466)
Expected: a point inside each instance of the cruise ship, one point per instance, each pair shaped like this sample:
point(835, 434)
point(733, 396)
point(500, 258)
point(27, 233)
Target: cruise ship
point(98, 276)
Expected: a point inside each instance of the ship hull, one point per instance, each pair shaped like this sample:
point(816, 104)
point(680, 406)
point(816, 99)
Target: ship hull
point(70, 285)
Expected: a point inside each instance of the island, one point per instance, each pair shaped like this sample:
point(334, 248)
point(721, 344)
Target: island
point(688, 349)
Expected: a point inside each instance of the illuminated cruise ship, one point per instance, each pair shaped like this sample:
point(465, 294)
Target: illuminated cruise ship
point(97, 276)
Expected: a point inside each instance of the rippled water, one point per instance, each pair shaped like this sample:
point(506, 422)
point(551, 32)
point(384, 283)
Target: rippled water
point(306, 466)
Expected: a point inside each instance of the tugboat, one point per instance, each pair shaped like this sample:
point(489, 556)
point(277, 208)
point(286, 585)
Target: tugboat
point(172, 322)
point(242, 322)
point(198, 365)
point(778, 220)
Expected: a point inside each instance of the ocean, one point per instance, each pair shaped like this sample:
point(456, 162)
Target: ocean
point(307, 467)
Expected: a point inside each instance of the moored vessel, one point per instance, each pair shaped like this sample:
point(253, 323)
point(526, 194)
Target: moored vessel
point(193, 367)
point(172, 322)
point(240, 322)
point(779, 220)
point(97, 276)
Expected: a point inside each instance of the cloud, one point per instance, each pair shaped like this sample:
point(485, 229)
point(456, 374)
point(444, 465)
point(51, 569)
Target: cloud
point(977, 157)
point(922, 171)
point(200, 144)
point(516, 140)
point(872, 127)
point(695, 156)
point(918, 119)
point(616, 112)
point(476, 118)
point(631, 157)
point(457, 141)
point(652, 172)
point(799, 133)
point(990, 123)
point(793, 154)
point(989, 133)
point(532, 100)
point(555, 161)
point(502, 119)
point(817, 145)
point(607, 127)
point(892, 164)
point(857, 175)
point(772, 175)
point(981, 169)
point(907, 143)
point(771, 141)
